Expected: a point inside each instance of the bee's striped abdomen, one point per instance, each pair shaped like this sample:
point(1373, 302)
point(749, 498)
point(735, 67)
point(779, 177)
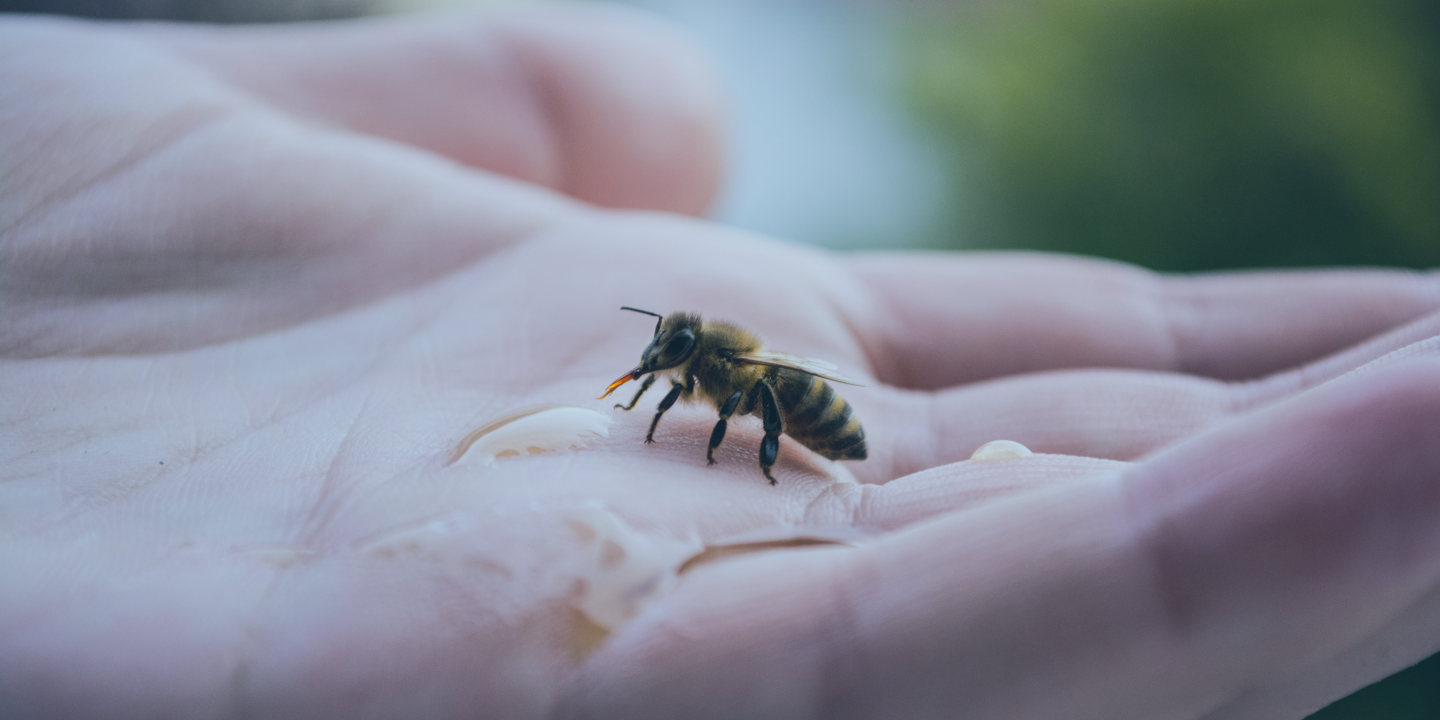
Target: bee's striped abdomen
point(818, 418)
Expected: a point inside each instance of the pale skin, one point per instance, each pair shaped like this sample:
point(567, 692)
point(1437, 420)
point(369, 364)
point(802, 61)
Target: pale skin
point(256, 284)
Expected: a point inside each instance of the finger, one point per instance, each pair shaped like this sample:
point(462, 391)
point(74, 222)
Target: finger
point(1418, 338)
point(1232, 562)
point(153, 209)
point(940, 320)
point(607, 105)
point(945, 489)
point(1112, 414)
point(1121, 415)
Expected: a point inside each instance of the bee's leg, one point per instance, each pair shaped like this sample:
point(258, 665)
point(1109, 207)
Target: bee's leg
point(770, 444)
point(665, 404)
point(649, 380)
point(718, 433)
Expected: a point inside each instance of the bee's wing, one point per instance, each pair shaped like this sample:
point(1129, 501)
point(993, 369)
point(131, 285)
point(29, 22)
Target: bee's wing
point(818, 368)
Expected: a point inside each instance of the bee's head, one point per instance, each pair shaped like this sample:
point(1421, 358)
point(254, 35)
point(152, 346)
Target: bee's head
point(672, 346)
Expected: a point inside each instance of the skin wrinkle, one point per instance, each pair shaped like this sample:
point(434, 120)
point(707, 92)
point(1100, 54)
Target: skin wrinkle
point(199, 453)
point(834, 499)
point(853, 285)
point(885, 363)
point(1247, 395)
point(47, 138)
point(1232, 404)
point(933, 440)
point(407, 473)
point(1167, 310)
point(404, 209)
point(1392, 344)
point(836, 283)
point(536, 84)
point(520, 80)
point(1165, 595)
point(170, 131)
point(884, 464)
point(164, 131)
point(864, 510)
point(1252, 394)
point(1183, 316)
point(322, 510)
point(89, 503)
point(548, 166)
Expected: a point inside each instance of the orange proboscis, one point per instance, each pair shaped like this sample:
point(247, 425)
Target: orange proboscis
point(627, 377)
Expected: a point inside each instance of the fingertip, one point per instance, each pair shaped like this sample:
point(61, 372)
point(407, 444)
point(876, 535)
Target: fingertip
point(937, 321)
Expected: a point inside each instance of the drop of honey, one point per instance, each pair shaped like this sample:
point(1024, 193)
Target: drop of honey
point(1000, 450)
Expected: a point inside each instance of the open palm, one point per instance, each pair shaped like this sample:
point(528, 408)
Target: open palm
point(259, 284)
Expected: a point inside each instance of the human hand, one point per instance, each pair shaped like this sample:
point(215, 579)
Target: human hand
point(301, 322)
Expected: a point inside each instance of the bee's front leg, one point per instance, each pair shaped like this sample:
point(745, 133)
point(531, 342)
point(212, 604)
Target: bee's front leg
point(718, 434)
point(770, 444)
point(665, 404)
point(649, 380)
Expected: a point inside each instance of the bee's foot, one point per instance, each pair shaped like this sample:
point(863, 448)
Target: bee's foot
point(770, 477)
point(710, 461)
point(649, 441)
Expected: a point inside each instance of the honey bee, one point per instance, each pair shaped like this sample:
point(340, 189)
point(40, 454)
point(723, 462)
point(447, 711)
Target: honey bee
point(729, 368)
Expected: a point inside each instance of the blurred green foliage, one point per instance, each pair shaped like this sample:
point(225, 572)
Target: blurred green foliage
point(1190, 134)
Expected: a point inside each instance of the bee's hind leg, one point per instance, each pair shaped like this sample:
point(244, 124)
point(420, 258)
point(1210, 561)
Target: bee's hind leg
point(770, 444)
point(649, 380)
point(718, 434)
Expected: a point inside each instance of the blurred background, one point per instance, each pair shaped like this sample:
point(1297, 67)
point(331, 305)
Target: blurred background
point(1182, 135)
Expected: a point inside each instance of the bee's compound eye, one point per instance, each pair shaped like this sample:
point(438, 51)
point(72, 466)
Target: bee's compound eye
point(680, 345)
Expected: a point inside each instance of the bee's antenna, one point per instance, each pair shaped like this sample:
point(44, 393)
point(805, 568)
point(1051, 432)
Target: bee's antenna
point(647, 312)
